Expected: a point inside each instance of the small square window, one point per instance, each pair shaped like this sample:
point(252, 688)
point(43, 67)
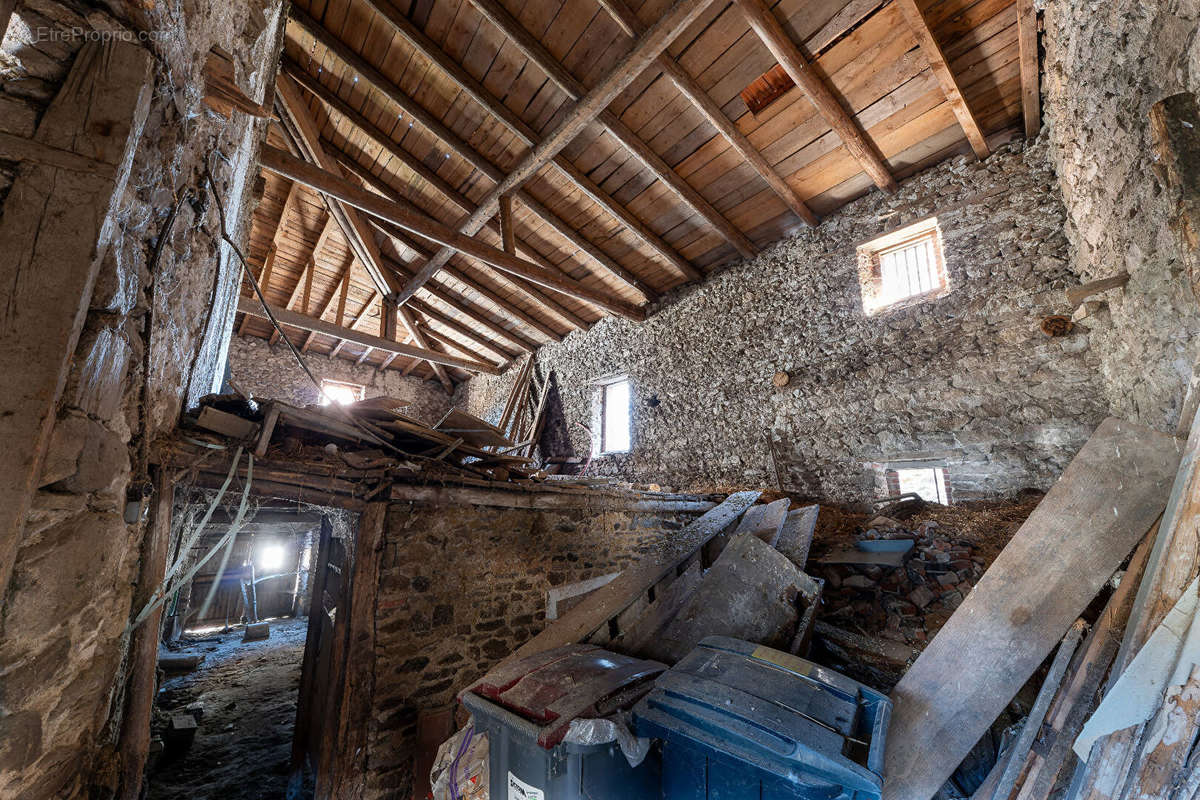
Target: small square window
point(340, 392)
point(615, 416)
point(902, 267)
point(929, 483)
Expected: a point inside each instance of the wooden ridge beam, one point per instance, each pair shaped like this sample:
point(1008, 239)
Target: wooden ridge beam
point(941, 69)
point(1027, 47)
point(283, 163)
point(364, 125)
point(767, 28)
point(303, 322)
point(532, 49)
point(467, 83)
point(525, 288)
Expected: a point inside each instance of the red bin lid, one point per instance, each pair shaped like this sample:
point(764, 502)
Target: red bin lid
point(556, 686)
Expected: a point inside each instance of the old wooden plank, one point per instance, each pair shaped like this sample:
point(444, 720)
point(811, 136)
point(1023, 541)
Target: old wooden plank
point(1083, 529)
point(56, 228)
point(612, 598)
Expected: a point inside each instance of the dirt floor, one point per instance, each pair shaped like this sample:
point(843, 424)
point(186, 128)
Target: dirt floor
point(247, 693)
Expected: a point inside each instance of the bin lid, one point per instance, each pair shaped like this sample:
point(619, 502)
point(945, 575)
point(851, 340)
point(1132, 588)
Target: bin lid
point(556, 686)
point(772, 710)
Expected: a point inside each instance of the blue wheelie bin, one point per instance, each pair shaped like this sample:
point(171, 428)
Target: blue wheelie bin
point(738, 721)
point(527, 708)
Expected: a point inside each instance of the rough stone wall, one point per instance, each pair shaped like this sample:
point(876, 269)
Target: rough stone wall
point(1105, 64)
point(152, 341)
point(461, 587)
point(966, 380)
point(272, 372)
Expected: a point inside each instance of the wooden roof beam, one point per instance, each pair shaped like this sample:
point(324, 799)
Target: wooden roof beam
point(691, 89)
point(380, 82)
point(303, 322)
point(298, 121)
point(283, 163)
point(664, 31)
point(1027, 47)
point(766, 26)
point(467, 83)
point(537, 53)
point(338, 295)
point(462, 331)
point(418, 337)
point(441, 185)
point(941, 69)
point(264, 275)
point(355, 322)
point(523, 287)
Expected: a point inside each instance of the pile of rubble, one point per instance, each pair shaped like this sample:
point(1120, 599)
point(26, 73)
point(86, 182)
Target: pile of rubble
point(902, 596)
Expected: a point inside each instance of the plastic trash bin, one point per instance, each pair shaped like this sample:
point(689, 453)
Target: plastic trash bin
point(527, 708)
point(739, 721)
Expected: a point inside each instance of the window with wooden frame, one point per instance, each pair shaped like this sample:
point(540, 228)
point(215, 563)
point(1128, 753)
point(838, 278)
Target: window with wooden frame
point(903, 267)
point(616, 416)
point(340, 392)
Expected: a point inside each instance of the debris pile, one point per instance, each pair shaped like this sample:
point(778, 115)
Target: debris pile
point(897, 582)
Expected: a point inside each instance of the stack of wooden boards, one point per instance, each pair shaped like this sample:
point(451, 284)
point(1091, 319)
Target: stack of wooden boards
point(1058, 565)
point(731, 572)
point(370, 434)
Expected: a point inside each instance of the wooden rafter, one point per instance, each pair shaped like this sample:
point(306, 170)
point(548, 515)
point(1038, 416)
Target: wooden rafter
point(338, 295)
point(691, 89)
point(436, 181)
point(355, 322)
point(556, 223)
point(358, 234)
point(941, 69)
point(668, 26)
point(537, 53)
point(418, 336)
point(766, 26)
point(281, 227)
point(305, 278)
point(283, 163)
point(1027, 45)
point(497, 109)
point(307, 323)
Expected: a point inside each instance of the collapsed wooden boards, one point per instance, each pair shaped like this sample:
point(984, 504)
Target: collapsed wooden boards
point(1105, 501)
point(616, 595)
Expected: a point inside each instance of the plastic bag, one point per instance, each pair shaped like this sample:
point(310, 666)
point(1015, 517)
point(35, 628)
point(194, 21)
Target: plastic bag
point(615, 727)
point(460, 771)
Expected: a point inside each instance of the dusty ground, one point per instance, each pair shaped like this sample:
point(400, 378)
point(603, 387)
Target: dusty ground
point(248, 693)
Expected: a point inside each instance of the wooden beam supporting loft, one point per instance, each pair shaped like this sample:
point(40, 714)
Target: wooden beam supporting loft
point(1027, 45)
point(410, 161)
point(307, 323)
point(766, 26)
point(668, 26)
point(283, 163)
point(532, 49)
point(377, 80)
point(941, 69)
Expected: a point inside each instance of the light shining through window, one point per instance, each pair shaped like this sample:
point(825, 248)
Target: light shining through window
point(271, 557)
point(340, 393)
point(615, 437)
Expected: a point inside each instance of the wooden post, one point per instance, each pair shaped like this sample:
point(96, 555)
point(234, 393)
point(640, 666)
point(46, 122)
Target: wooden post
point(143, 645)
point(507, 235)
point(55, 231)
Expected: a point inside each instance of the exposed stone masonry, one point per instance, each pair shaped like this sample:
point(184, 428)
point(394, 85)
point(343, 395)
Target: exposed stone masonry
point(461, 587)
point(272, 372)
point(965, 380)
point(152, 342)
point(1105, 65)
